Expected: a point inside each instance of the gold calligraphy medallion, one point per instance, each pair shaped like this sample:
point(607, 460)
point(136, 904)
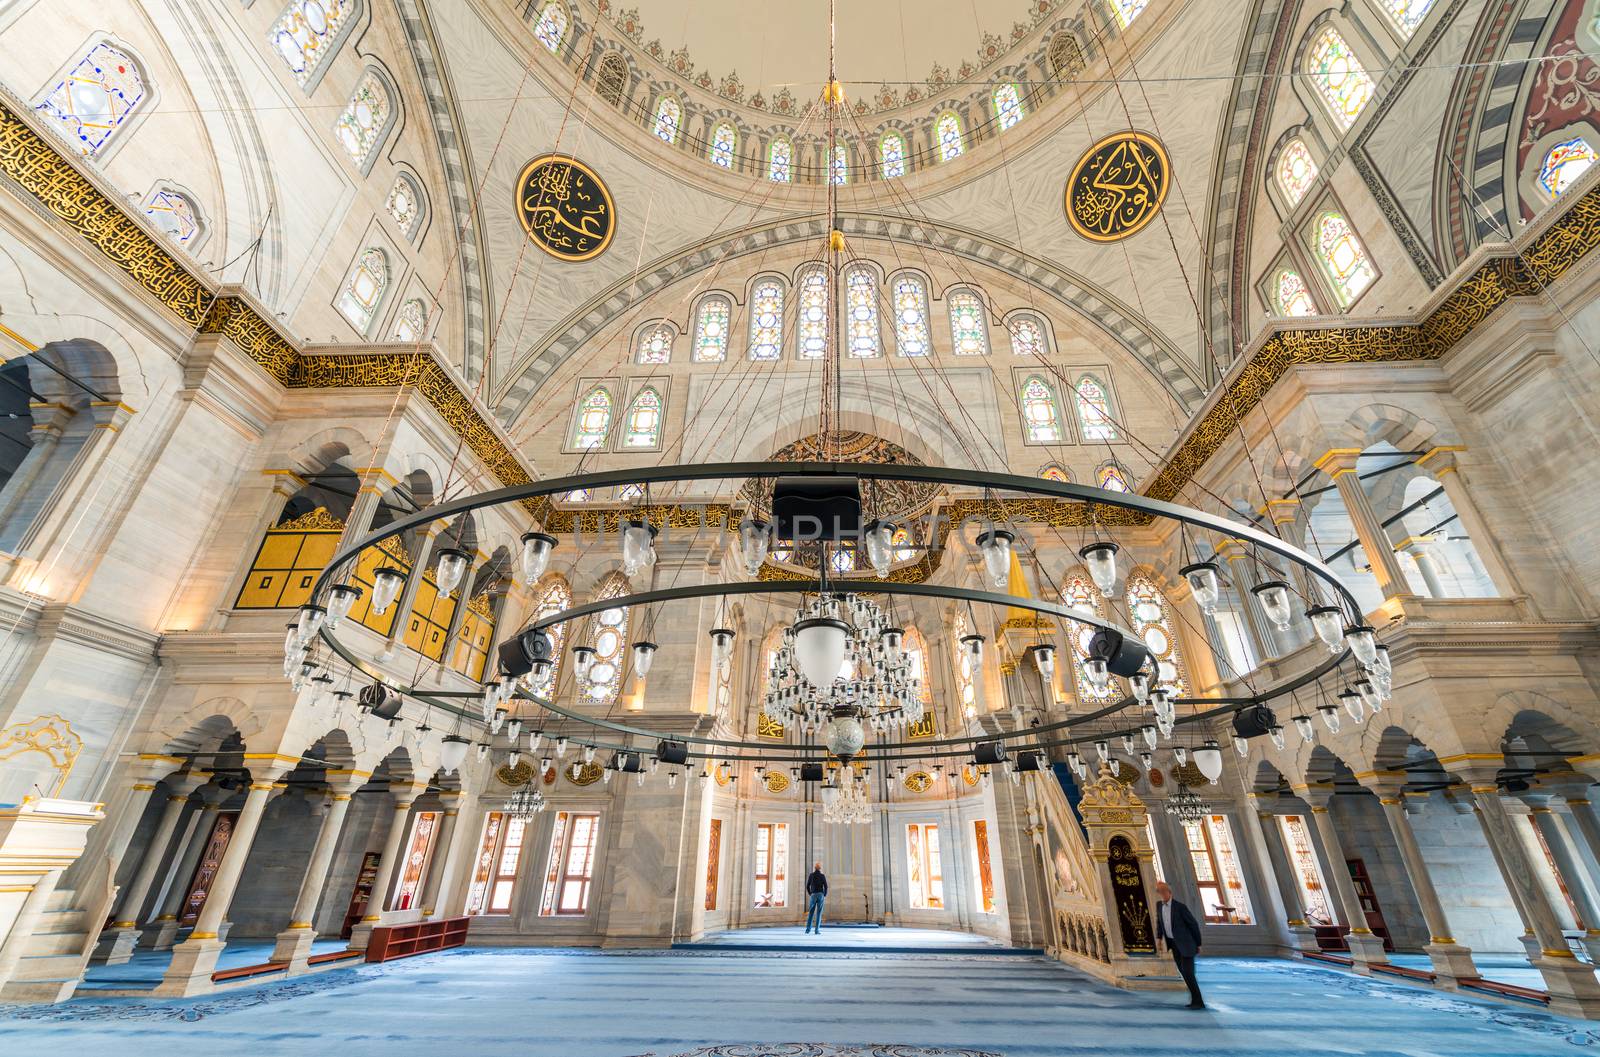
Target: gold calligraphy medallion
point(1118, 186)
point(565, 207)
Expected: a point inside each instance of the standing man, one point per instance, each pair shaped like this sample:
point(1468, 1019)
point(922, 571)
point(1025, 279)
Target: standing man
point(1177, 928)
point(816, 892)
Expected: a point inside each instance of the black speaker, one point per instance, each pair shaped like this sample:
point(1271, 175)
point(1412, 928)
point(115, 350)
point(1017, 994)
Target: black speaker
point(1028, 761)
point(811, 772)
point(518, 653)
point(1254, 721)
point(380, 701)
point(816, 508)
point(672, 752)
point(1123, 656)
point(989, 752)
point(627, 762)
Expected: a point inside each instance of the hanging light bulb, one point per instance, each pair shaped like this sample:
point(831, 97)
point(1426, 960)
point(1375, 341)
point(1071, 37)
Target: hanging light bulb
point(1328, 623)
point(1274, 598)
point(582, 660)
point(1149, 734)
point(1164, 724)
point(1330, 717)
point(1203, 584)
point(638, 546)
point(644, 655)
point(1363, 643)
point(1385, 666)
point(892, 640)
point(387, 584)
point(1208, 758)
point(1369, 693)
point(1127, 743)
point(819, 649)
point(341, 599)
point(879, 539)
point(1139, 683)
point(704, 777)
point(1241, 746)
point(1103, 748)
point(1101, 561)
point(1160, 699)
point(482, 750)
point(1098, 673)
point(995, 546)
point(1044, 658)
point(1180, 753)
point(561, 746)
point(672, 779)
point(588, 754)
point(301, 674)
point(497, 721)
point(1275, 732)
point(451, 568)
point(1076, 763)
point(1147, 760)
point(972, 645)
point(754, 537)
point(605, 776)
point(514, 730)
point(1353, 704)
point(534, 740)
point(536, 548)
point(1304, 727)
point(539, 675)
point(513, 757)
point(721, 647)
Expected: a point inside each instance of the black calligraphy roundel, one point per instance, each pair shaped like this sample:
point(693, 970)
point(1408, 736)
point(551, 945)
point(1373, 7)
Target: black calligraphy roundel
point(565, 207)
point(1118, 186)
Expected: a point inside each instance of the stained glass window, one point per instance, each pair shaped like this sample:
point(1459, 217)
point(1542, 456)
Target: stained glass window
point(1027, 337)
point(642, 428)
point(1112, 479)
point(711, 330)
point(1065, 55)
point(901, 546)
point(766, 320)
point(411, 322)
point(611, 78)
point(577, 495)
point(1307, 871)
point(892, 155)
point(911, 316)
point(304, 35)
point(655, 345)
point(843, 559)
point(1094, 409)
point(1338, 76)
point(364, 120)
point(1296, 171)
point(1041, 418)
point(812, 330)
point(1055, 473)
point(861, 295)
point(630, 492)
point(175, 215)
point(364, 289)
point(1217, 872)
point(1007, 106)
point(552, 25)
point(1125, 11)
point(571, 865)
point(94, 98)
point(1078, 592)
point(839, 166)
point(1148, 616)
point(1290, 296)
point(553, 595)
point(669, 115)
point(780, 161)
point(948, 132)
point(723, 141)
point(1406, 15)
point(1343, 259)
point(1565, 162)
point(609, 638)
point(403, 205)
point(967, 325)
point(594, 419)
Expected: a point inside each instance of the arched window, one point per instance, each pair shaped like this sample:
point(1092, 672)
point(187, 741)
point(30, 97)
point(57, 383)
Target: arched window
point(411, 322)
point(1290, 296)
point(404, 205)
point(669, 115)
point(1078, 592)
point(1295, 171)
point(911, 316)
point(1565, 162)
point(175, 214)
point(96, 97)
point(1111, 478)
point(1338, 76)
point(902, 547)
point(611, 78)
point(861, 299)
point(968, 328)
point(711, 329)
point(305, 35)
point(594, 419)
point(609, 639)
point(1341, 256)
point(892, 155)
point(655, 345)
point(1148, 612)
point(839, 165)
point(1027, 337)
point(1041, 416)
point(551, 28)
point(724, 140)
point(642, 428)
point(766, 320)
point(1055, 473)
point(811, 333)
point(1093, 404)
point(1065, 55)
point(364, 289)
point(1007, 106)
point(1406, 15)
point(966, 678)
point(553, 596)
point(1125, 11)
point(365, 119)
point(948, 132)
point(780, 161)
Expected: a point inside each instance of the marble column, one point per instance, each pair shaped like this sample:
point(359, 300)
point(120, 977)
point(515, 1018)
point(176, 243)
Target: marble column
point(446, 846)
point(1234, 553)
point(1580, 813)
point(1421, 556)
point(1444, 464)
point(194, 960)
point(117, 943)
point(1340, 464)
point(405, 793)
point(1571, 872)
point(1301, 936)
point(186, 858)
point(293, 944)
point(1366, 949)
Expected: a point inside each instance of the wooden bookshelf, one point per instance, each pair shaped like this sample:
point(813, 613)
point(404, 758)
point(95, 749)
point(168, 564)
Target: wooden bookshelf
point(389, 942)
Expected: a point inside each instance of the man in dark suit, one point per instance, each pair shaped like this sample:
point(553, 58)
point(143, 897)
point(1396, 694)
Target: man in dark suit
point(1177, 928)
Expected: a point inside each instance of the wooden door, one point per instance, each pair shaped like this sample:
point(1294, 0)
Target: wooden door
point(205, 871)
point(362, 893)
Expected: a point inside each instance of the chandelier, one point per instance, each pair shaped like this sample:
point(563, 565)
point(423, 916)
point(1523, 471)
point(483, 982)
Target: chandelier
point(842, 664)
point(844, 800)
point(526, 802)
point(1185, 806)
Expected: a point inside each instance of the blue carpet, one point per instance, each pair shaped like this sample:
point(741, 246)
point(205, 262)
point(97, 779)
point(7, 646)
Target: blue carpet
point(851, 938)
point(710, 1003)
point(145, 968)
point(1503, 968)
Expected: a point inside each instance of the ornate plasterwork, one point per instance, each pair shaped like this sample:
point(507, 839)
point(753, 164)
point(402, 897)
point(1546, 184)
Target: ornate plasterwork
point(49, 736)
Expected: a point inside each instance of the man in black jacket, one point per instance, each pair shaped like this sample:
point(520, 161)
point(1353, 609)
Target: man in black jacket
point(816, 892)
point(1177, 928)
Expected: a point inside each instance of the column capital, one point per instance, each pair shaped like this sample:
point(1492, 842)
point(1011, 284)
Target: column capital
point(1388, 786)
point(1316, 794)
point(1477, 769)
point(1441, 459)
point(1587, 765)
point(1335, 462)
point(148, 768)
point(406, 793)
point(1281, 511)
point(182, 785)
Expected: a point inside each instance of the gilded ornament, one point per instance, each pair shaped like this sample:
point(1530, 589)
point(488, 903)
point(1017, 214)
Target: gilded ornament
point(919, 781)
point(565, 208)
point(521, 774)
point(49, 736)
point(767, 727)
point(318, 520)
point(1118, 186)
point(775, 781)
point(970, 774)
point(580, 773)
point(923, 728)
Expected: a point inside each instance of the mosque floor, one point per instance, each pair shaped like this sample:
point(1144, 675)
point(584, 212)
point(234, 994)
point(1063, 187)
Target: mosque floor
point(764, 1002)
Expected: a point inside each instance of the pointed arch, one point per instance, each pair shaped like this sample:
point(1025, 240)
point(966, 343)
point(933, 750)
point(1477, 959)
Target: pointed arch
point(766, 319)
point(891, 155)
point(411, 322)
point(176, 213)
point(711, 329)
point(608, 636)
point(911, 315)
point(839, 165)
point(552, 595)
point(308, 33)
point(780, 160)
point(724, 145)
point(364, 289)
point(592, 422)
point(1336, 73)
point(641, 428)
point(1295, 170)
point(1029, 336)
point(611, 78)
point(1080, 593)
point(654, 344)
point(811, 330)
point(969, 324)
point(1150, 617)
point(93, 102)
point(861, 302)
point(1041, 411)
point(1341, 256)
point(947, 135)
point(367, 117)
point(406, 205)
point(550, 28)
point(1007, 101)
point(1092, 401)
point(669, 118)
